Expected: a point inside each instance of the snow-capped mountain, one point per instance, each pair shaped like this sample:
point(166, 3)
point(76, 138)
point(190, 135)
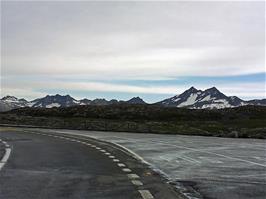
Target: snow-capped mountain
point(50, 101)
point(192, 98)
point(208, 99)
point(259, 102)
point(10, 102)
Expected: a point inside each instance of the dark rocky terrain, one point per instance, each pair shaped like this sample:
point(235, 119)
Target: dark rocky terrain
point(244, 121)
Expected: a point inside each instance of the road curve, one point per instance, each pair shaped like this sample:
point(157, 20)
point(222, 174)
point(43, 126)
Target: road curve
point(43, 165)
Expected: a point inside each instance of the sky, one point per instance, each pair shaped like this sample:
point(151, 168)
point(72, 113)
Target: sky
point(124, 49)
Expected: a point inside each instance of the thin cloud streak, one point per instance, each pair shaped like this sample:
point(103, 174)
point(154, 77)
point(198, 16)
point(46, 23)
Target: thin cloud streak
point(246, 90)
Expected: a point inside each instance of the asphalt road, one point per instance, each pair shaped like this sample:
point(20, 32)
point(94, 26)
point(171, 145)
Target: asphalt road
point(45, 166)
point(217, 168)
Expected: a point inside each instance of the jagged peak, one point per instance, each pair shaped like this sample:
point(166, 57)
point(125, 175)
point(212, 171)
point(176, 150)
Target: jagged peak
point(193, 89)
point(9, 97)
point(212, 89)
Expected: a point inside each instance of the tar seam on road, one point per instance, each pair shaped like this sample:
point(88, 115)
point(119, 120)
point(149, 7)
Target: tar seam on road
point(145, 194)
point(6, 155)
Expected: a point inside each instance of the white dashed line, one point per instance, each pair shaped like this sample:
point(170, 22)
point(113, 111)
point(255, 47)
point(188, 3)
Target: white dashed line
point(146, 194)
point(121, 165)
point(133, 176)
point(126, 170)
point(137, 182)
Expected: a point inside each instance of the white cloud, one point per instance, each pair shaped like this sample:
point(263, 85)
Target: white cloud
point(133, 40)
point(127, 40)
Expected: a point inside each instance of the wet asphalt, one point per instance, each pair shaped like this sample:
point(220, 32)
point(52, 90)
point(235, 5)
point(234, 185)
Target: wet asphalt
point(42, 166)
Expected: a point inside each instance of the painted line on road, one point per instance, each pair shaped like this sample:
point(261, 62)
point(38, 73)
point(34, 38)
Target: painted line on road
point(121, 165)
point(136, 182)
point(126, 170)
point(6, 155)
point(133, 176)
point(146, 194)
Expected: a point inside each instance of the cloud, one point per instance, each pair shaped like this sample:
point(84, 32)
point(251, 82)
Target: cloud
point(130, 41)
point(133, 40)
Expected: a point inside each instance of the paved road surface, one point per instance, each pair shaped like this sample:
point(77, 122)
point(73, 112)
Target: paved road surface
point(217, 167)
point(43, 166)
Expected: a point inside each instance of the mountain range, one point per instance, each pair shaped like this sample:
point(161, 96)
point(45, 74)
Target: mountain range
point(192, 98)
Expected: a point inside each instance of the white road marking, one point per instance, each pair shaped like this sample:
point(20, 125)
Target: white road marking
point(107, 153)
point(133, 176)
point(103, 151)
point(111, 156)
point(137, 182)
point(116, 160)
point(146, 194)
point(2, 164)
point(98, 148)
point(6, 155)
point(121, 165)
point(126, 170)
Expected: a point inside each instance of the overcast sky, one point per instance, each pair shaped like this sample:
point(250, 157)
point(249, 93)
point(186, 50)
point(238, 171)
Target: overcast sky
point(123, 49)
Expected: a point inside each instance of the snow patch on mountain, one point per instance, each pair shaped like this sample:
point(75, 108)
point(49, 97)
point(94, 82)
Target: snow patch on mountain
point(190, 100)
point(52, 105)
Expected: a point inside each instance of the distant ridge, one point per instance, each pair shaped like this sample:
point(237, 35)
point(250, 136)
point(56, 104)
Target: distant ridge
point(192, 98)
point(210, 98)
point(50, 101)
